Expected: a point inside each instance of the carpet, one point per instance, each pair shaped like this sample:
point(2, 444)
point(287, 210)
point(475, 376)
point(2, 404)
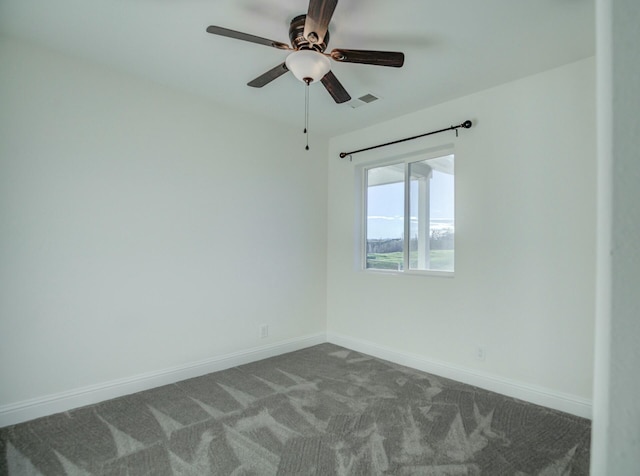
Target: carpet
point(324, 410)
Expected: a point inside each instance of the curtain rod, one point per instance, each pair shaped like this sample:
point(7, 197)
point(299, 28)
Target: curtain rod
point(466, 125)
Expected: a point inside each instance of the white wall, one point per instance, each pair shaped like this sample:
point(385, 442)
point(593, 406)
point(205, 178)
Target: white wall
point(142, 228)
point(616, 417)
point(525, 239)
point(130, 216)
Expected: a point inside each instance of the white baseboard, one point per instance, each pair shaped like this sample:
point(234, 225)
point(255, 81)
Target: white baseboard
point(38, 407)
point(534, 394)
point(50, 404)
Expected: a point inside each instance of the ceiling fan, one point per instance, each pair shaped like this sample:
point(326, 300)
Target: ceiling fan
point(308, 61)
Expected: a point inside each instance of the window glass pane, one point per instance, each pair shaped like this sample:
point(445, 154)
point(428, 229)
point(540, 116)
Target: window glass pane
point(385, 217)
point(431, 220)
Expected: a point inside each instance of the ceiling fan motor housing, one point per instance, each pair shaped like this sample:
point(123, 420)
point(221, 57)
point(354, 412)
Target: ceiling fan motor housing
point(299, 42)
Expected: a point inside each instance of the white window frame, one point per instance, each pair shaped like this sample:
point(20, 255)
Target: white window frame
point(361, 246)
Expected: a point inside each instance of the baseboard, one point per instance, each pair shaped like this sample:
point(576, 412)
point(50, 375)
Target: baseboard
point(38, 407)
point(50, 404)
point(530, 393)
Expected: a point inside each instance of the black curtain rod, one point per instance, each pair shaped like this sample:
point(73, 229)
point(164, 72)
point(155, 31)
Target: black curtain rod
point(466, 125)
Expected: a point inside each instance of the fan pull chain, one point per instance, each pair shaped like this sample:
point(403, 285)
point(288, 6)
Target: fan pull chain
point(306, 111)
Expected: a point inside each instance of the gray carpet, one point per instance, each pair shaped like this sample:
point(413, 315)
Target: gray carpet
point(324, 410)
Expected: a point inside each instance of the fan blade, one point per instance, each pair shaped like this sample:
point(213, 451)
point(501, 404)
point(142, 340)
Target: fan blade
point(377, 58)
point(238, 35)
point(335, 88)
point(269, 76)
point(318, 18)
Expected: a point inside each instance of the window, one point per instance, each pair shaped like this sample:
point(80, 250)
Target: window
point(409, 210)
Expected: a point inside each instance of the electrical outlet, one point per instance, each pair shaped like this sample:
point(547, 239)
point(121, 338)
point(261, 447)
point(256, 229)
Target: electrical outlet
point(481, 353)
point(264, 331)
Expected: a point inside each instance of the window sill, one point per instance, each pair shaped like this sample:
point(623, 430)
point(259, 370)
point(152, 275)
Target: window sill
point(414, 272)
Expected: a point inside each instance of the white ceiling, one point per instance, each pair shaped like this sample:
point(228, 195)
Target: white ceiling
point(452, 48)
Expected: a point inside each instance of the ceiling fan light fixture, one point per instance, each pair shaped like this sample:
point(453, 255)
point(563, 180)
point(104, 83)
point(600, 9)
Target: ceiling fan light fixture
point(307, 65)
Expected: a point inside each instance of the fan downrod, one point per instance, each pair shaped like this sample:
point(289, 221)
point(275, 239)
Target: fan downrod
point(299, 42)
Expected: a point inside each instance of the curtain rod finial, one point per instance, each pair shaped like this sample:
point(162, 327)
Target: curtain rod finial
point(467, 124)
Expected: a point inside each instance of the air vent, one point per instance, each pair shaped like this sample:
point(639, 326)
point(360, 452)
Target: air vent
point(363, 100)
point(368, 98)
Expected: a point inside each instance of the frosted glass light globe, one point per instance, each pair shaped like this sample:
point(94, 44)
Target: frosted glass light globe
point(308, 64)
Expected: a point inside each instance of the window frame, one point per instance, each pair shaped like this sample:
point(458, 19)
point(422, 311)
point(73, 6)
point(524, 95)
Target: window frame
point(362, 173)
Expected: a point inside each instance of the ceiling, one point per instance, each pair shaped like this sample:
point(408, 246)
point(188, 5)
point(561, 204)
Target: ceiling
point(452, 48)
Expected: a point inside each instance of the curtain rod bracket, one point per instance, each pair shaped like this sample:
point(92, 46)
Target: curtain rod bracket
point(465, 125)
